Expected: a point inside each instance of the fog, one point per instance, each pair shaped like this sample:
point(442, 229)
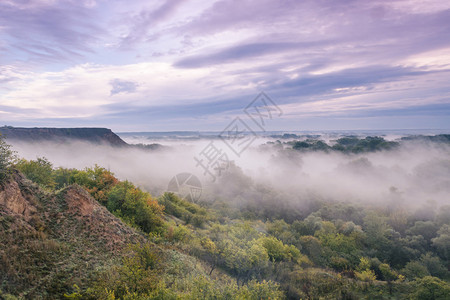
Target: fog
point(411, 175)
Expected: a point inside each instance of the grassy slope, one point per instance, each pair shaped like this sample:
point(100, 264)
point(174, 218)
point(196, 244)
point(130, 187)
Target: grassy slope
point(51, 241)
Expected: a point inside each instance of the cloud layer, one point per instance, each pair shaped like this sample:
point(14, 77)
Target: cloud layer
point(195, 65)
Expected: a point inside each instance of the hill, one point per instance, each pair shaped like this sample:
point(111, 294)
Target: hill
point(51, 241)
point(93, 135)
point(64, 243)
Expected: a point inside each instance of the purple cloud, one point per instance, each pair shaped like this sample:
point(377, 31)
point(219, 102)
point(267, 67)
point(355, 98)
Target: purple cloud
point(122, 86)
point(352, 29)
point(50, 31)
point(243, 51)
point(143, 21)
point(297, 51)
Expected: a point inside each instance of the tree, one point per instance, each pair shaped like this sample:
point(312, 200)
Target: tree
point(275, 248)
point(281, 230)
point(189, 212)
point(312, 248)
point(211, 253)
point(278, 251)
point(135, 207)
point(97, 181)
point(260, 290)
point(431, 288)
point(101, 182)
point(364, 273)
point(377, 233)
point(414, 270)
point(442, 242)
point(6, 159)
point(64, 177)
point(389, 275)
point(139, 274)
point(426, 229)
point(39, 171)
point(434, 265)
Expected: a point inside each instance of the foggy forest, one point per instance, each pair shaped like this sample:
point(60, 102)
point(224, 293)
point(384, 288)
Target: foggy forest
point(360, 216)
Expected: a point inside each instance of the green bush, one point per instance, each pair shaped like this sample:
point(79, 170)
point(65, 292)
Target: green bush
point(138, 275)
point(97, 181)
point(431, 288)
point(135, 207)
point(6, 159)
point(189, 212)
point(39, 171)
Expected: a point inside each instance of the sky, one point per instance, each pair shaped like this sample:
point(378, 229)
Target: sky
point(140, 65)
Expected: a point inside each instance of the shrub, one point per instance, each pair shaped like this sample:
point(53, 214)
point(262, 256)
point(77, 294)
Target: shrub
point(97, 181)
point(189, 212)
point(431, 288)
point(39, 171)
point(6, 159)
point(135, 207)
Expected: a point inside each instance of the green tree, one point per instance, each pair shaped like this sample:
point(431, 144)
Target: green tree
point(135, 207)
point(389, 275)
point(275, 248)
point(312, 247)
point(442, 242)
point(415, 269)
point(39, 171)
point(434, 265)
point(260, 290)
point(64, 177)
point(97, 181)
point(100, 182)
point(211, 253)
point(189, 212)
point(426, 229)
point(281, 230)
point(6, 159)
point(138, 275)
point(364, 273)
point(431, 288)
point(278, 251)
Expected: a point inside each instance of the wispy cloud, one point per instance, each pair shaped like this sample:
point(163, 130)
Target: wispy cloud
point(48, 31)
point(147, 18)
point(122, 86)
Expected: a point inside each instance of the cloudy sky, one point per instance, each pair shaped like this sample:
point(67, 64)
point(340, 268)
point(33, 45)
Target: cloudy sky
point(140, 65)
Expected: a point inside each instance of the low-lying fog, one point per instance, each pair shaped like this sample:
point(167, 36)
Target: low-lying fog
point(412, 174)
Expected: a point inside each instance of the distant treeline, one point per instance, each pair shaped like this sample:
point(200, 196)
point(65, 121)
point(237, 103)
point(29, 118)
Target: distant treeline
point(353, 144)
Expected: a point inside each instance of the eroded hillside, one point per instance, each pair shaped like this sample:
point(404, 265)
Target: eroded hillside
point(51, 241)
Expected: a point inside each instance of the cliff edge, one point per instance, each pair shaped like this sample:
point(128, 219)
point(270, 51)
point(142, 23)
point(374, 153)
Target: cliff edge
point(92, 135)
